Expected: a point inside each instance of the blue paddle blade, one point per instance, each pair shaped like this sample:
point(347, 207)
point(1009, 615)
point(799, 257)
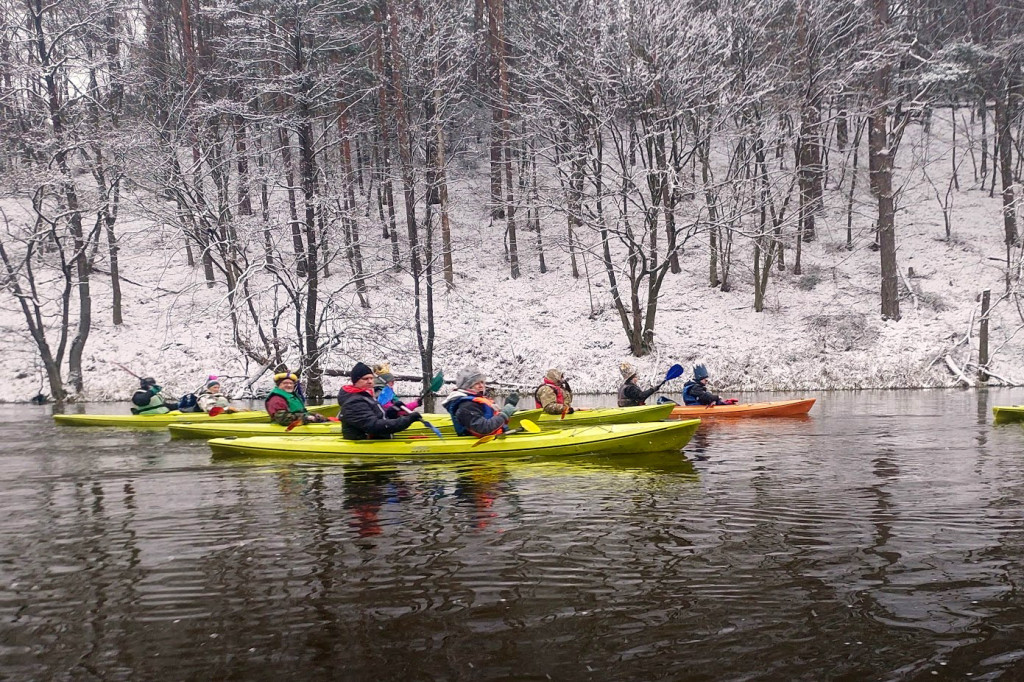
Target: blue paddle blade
point(674, 372)
point(434, 429)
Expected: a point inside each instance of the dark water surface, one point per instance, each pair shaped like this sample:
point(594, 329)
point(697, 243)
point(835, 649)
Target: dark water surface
point(882, 538)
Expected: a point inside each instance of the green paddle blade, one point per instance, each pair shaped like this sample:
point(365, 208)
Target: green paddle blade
point(436, 382)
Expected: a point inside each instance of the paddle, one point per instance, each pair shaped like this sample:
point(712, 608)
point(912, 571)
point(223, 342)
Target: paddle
point(425, 422)
point(674, 372)
point(435, 385)
point(525, 425)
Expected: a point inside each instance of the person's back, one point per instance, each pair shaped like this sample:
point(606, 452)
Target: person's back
point(554, 395)
point(149, 400)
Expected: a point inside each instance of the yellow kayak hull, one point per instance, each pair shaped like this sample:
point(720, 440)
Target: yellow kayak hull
point(1009, 414)
point(161, 421)
point(598, 439)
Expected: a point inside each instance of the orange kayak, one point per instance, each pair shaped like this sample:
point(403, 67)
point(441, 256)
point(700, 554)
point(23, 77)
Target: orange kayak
point(781, 408)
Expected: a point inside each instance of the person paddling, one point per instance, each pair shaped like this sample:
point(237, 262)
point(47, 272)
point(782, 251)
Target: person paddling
point(149, 399)
point(285, 406)
point(362, 416)
point(695, 391)
point(630, 393)
point(472, 413)
point(554, 395)
point(384, 391)
point(212, 401)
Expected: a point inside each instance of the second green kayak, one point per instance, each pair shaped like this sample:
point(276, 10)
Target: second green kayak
point(443, 422)
point(160, 421)
point(611, 439)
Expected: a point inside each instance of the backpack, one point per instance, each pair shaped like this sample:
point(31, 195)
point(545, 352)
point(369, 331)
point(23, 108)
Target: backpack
point(188, 403)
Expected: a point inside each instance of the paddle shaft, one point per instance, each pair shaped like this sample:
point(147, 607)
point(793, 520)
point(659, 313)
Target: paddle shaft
point(425, 422)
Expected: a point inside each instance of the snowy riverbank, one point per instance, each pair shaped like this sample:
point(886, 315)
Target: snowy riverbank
point(821, 330)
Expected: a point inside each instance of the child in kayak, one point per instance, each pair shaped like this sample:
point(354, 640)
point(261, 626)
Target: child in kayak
point(384, 391)
point(695, 391)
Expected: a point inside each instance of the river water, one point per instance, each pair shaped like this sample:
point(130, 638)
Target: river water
point(881, 538)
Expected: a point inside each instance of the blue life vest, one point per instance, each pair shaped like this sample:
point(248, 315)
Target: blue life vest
point(453, 407)
point(387, 394)
point(688, 398)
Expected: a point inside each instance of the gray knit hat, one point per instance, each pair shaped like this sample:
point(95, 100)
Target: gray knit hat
point(468, 376)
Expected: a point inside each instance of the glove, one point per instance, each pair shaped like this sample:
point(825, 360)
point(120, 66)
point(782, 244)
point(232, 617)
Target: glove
point(415, 417)
point(397, 403)
point(307, 418)
point(512, 399)
point(571, 410)
point(508, 410)
point(730, 401)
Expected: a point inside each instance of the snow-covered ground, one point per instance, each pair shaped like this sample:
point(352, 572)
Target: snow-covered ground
point(821, 329)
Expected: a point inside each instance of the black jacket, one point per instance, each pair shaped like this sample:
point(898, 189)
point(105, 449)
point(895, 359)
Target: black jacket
point(362, 418)
point(695, 393)
point(631, 395)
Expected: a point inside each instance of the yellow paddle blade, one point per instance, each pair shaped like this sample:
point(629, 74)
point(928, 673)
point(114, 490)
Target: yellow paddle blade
point(485, 439)
point(527, 425)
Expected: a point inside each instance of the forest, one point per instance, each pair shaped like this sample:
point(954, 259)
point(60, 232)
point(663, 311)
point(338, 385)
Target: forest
point(340, 175)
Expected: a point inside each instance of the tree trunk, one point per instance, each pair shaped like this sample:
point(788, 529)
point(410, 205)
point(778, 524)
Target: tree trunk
point(1003, 123)
point(496, 23)
point(881, 174)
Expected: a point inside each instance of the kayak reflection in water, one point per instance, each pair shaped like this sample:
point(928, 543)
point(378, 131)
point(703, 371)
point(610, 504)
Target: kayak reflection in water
point(478, 487)
point(367, 491)
point(695, 391)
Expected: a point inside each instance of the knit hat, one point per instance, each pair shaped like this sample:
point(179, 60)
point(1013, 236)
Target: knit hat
point(627, 371)
point(555, 375)
point(147, 382)
point(468, 376)
point(281, 376)
point(383, 372)
point(212, 381)
point(359, 371)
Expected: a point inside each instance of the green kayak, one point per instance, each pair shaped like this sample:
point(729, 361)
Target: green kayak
point(443, 422)
point(600, 439)
point(611, 415)
point(164, 420)
point(1008, 414)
